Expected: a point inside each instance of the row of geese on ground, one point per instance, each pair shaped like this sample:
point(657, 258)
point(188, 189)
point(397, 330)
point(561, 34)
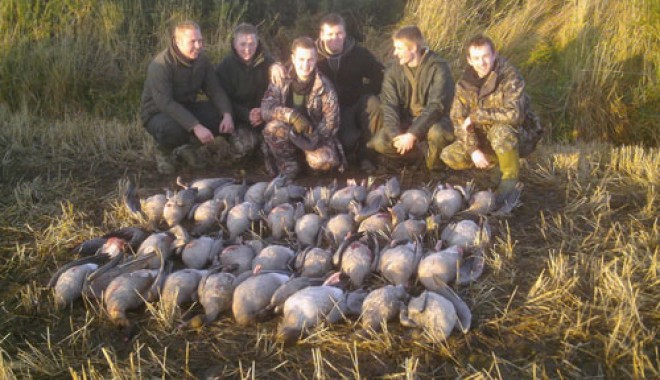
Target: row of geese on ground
point(314, 255)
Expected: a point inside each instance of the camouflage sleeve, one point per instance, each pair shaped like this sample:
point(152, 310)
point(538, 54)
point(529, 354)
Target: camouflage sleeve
point(329, 125)
point(460, 110)
point(272, 105)
point(511, 109)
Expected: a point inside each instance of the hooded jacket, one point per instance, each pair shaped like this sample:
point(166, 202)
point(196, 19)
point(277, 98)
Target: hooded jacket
point(359, 72)
point(244, 82)
point(435, 90)
point(500, 99)
point(174, 82)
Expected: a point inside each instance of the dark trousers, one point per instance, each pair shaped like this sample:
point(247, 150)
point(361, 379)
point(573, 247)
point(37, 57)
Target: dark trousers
point(169, 134)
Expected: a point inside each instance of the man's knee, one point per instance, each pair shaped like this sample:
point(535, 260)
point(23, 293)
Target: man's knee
point(323, 158)
point(455, 157)
point(503, 138)
point(167, 132)
point(440, 136)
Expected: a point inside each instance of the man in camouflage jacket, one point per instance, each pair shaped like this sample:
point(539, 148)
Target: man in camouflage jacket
point(415, 100)
point(492, 118)
point(301, 115)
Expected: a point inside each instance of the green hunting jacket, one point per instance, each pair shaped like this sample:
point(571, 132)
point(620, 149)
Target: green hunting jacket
point(435, 91)
point(174, 82)
point(244, 82)
point(501, 99)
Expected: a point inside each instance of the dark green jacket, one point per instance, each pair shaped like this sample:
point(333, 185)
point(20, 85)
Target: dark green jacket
point(174, 82)
point(245, 83)
point(501, 99)
point(435, 91)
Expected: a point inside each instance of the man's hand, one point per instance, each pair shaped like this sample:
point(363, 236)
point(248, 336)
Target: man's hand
point(404, 142)
point(277, 74)
point(466, 123)
point(479, 159)
point(255, 117)
point(300, 123)
point(203, 134)
point(227, 124)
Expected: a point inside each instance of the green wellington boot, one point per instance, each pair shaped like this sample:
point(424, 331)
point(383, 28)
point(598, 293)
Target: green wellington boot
point(165, 161)
point(510, 168)
point(188, 153)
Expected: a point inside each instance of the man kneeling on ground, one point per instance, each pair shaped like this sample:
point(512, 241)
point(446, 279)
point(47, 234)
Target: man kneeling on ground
point(171, 111)
point(415, 100)
point(492, 117)
point(301, 115)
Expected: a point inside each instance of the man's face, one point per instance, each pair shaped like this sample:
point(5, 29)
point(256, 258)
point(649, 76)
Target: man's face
point(482, 59)
point(189, 42)
point(405, 52)
point(245, 45)
point(304, 61)
point(333, 37)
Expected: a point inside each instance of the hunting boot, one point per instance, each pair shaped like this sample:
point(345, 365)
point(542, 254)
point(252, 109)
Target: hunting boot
point(189, 155)
point(510, 168)
point(165, 163)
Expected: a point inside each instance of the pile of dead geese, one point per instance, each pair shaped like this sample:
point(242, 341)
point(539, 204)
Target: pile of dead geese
point(314, 255)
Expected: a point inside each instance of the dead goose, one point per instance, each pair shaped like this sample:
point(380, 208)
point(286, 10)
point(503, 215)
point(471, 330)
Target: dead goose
point(411, 229)
point(313, 262)
point(198, 253)
point(441, 264)
point(239, 256)
point(254, 294)
point(338, 227)
point(319, 194)
point(274, 257)
point(377, 200)
point(206, 216)
point(180, 287)
point(241, 217)
point(466, 234)
point(307, 308)
point(206, 187)
point(308, 227)
point(398, 263)
point(357, 258)
point(231, 194)
point(415, 202)
point(178, 206)
point(382, 305)
point(282, 219)
point(352, 192)
point(449, 200)
point(481, 203)
point(256, 193)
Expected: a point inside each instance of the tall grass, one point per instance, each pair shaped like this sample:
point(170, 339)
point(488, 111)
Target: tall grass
point(591, 66)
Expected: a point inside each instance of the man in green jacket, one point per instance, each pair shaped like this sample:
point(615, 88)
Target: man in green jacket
point(244, 75)
point(170, 109)
point(492, 118)
point(415, 100)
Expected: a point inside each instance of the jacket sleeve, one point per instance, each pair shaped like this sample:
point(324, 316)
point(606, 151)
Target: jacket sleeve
point(160, 83)
point(215, 92)
point(223, 73)
point(390, 103)
point(440, 94)
point(272, 105)
point(329, 125)
point(460, 110)
point(511, 109)
point(374, 73)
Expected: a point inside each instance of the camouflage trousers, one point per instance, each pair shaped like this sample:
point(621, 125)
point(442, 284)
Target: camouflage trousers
point(439, 136)
point(283, 157)
point(491, 140)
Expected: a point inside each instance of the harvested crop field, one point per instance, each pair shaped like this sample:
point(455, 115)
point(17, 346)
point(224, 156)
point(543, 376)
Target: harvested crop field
point(569, 288)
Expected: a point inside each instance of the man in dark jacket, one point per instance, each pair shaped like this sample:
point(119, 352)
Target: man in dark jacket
point(492, 117)
point(356, 74)
point(244, 75)
point(170, 109)
point(302, 117)
point(416, 97)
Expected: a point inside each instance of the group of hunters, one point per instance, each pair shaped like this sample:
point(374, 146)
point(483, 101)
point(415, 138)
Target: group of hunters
point(336, 104)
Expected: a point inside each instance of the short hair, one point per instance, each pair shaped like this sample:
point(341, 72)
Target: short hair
point(185, 25)
point(304, 43)
point(245, 28)
point(479, 40)
point(410, 33)
point(333, 19)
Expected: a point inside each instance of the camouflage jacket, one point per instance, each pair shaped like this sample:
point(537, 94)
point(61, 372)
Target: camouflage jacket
point(322, 106)
point(500, 100)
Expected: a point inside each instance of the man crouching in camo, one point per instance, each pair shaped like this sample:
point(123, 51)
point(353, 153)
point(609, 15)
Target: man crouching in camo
point(301, 115)
point(171, 111)
point(492, 118)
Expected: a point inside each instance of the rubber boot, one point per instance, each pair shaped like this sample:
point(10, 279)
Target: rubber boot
point(165, 163)
point(510, 168)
